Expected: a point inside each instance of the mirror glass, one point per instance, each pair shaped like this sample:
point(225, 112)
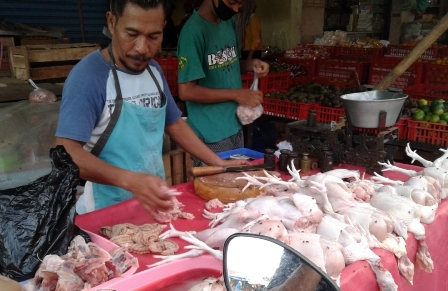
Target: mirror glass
point(255, 263)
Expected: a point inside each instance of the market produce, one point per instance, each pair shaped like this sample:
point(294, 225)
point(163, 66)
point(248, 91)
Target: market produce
point(297, 70)
point(142, 239)
point(307, 93)
point(308, 52)
point(435, 111)
point(83, 267)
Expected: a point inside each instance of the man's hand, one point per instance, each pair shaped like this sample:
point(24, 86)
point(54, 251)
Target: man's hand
point(260, 67)
point(150, 191)
point(249, 98)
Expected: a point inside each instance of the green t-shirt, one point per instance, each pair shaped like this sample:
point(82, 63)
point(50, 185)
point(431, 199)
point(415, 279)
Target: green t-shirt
point(208, 54)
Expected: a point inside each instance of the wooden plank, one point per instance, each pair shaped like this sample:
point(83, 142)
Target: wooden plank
point(18, 61)
point(49, 72)
point(167, 166)
point(57, 55)
point(188, 166)
point(177, 157)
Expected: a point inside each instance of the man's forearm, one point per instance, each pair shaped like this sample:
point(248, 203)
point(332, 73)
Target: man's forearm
point(195, 93)
point(185, 137)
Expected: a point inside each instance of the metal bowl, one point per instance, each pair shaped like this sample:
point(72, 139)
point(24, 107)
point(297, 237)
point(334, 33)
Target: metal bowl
point(368, 109)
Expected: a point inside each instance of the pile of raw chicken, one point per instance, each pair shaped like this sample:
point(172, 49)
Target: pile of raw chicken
point(85, 266)
point(333, 218)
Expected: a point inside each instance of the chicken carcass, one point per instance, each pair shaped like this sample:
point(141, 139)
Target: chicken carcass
point(326, 254)
point(441, 162)
point(427, 204)
point(408, 212)
point(356, 248)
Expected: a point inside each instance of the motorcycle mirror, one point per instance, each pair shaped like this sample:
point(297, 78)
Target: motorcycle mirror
point(259, 263)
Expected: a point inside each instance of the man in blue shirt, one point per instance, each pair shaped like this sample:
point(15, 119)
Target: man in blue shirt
point(115, 108)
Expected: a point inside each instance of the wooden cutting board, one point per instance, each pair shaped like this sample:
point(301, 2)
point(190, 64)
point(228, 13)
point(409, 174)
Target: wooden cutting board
point(226, 188)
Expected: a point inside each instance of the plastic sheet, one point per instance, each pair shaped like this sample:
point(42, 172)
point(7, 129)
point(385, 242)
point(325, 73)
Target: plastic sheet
point(38, 219)
point(27, 133)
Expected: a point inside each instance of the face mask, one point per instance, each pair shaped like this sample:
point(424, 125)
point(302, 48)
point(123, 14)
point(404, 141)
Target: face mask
point(223, 11)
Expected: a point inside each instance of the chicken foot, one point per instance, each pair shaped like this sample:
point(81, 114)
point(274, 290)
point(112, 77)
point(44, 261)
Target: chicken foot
point(423, 258)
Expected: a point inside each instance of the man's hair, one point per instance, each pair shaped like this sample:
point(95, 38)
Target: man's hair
point(117, 6)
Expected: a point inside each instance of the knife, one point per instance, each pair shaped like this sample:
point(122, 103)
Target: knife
point(212, 170)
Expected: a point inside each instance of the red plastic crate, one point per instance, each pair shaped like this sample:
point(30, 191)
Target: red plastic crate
point(169, 68)
point(301, 80)
point(436, 75)
point(427, 92)
point(286, 109)
point(428, 132)
point(328, 114)
point(308, 66)
point(380, 68)
point(343, 69)
point(402, 51)
point(340, 83)
point(275, 82)
point(247, 80)
point(401, 125)
point(328, 48)
point(358, 53)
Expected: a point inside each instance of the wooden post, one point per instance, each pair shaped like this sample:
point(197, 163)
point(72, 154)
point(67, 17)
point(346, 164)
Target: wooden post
point(418, 50)
point(167, 166)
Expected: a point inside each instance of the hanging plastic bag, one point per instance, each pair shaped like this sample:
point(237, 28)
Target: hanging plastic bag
point(40, 95)
point(247, 114)
point(38, 219)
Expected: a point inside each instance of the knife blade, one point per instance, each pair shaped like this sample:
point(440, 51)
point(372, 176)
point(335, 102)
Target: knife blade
point(212, 170)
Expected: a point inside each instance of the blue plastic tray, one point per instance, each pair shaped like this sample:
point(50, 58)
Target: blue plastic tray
point(243, 151)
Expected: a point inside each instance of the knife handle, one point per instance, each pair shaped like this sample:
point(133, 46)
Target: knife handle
point(206, 171)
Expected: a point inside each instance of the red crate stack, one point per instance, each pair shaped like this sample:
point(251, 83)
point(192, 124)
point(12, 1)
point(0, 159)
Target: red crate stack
point(402, 51)
point(428, 92)
point(169, 68)
point(247, 80)
point(286, 109)
point(427, 132)
point(275, 82)
point(380, 68)
point(328, 114)
point(436, 75)
point(340, 83)
point(358, 53)
point(305, 67)
point(343, 69)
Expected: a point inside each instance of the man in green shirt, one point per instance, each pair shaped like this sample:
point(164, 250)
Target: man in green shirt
point(210, 75)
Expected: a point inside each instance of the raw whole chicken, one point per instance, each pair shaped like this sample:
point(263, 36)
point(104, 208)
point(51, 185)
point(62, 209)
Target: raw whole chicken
point(408, 212)
point(441, 162)
point(326, 254)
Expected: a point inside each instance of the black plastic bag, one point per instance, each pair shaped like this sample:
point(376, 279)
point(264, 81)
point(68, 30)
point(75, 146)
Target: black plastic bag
point(38, 219)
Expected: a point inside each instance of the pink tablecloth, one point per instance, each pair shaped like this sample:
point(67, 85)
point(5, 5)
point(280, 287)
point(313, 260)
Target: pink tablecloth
point(357, 276)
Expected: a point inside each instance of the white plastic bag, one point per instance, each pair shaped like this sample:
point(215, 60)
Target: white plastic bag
point(40, 95)
point(247, 114)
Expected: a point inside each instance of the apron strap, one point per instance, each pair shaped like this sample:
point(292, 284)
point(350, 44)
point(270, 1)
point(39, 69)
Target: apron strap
point(117, 110)
point(101, 143)
point(162, 95)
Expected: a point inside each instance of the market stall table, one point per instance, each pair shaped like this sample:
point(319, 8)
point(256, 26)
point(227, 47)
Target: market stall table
point(357, 276)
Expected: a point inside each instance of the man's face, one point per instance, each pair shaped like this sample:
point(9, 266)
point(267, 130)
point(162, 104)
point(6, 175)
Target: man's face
point(136, 36)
